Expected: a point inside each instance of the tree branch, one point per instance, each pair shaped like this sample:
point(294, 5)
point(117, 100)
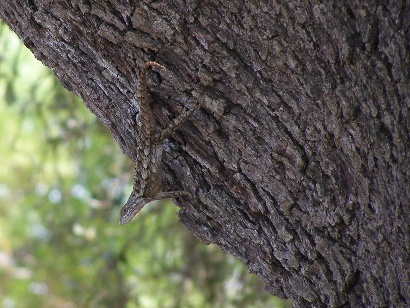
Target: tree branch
point(298, 160)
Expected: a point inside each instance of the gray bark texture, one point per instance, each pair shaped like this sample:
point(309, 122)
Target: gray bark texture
point(298, 159)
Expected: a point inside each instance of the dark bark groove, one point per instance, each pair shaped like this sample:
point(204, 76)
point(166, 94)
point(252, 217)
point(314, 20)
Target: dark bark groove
point(298, 160)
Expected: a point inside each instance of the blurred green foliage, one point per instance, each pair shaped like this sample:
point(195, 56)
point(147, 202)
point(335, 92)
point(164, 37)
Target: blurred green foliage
point(62, 182)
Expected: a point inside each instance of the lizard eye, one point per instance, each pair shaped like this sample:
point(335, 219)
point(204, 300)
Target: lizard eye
point(123, 211)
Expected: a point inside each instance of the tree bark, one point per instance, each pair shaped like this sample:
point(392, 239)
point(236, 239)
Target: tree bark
point(298, 160)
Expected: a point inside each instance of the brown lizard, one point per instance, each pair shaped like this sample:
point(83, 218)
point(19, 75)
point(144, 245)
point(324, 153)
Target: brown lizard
point(147, 179)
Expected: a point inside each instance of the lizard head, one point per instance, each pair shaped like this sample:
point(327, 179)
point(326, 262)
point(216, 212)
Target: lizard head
point(134, 204)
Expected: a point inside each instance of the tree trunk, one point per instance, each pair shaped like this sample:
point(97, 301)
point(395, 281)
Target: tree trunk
point(298, 159)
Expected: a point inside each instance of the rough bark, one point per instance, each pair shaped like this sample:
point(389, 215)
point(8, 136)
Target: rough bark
point(298, 160)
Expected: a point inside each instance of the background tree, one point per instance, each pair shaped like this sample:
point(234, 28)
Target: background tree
point(60, 241)
point(298, 159)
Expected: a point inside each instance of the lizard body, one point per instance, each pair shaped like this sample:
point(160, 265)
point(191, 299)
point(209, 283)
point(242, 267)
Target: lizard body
point(148, 177)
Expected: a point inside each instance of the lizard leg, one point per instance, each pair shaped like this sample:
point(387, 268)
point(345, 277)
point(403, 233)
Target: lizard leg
point(164, 134)
point(171, 194)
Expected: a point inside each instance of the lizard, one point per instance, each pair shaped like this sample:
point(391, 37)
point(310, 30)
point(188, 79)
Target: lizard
point(147, 180)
